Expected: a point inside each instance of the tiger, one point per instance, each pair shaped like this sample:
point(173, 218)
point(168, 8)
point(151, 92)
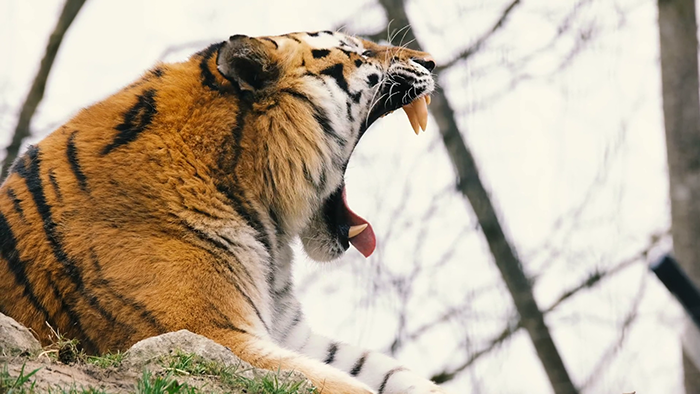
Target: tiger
point(174, 203)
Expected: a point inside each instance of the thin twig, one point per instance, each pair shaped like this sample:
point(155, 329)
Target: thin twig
point(36, 93)
point(446, 376)
point(476, 46)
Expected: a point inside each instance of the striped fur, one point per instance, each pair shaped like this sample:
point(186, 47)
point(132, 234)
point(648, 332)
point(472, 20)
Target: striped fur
point(171, 204)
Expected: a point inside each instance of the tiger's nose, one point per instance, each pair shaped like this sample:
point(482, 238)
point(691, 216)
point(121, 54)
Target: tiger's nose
point(428, 62)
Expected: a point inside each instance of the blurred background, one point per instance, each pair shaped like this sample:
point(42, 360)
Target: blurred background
point(514, 235)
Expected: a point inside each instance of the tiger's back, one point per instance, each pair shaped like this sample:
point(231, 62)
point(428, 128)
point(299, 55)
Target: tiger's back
point(171, 204)
point(81, 209)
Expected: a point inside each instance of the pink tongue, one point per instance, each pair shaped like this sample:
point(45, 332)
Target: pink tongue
point(365, 242)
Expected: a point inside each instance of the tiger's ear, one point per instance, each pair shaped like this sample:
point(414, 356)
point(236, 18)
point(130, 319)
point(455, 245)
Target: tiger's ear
point(247, 62)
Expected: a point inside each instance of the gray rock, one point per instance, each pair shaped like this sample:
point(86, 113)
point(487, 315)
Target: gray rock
point(148, 350)
point(15, 339)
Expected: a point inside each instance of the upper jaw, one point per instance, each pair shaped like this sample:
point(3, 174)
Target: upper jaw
point(401, 93)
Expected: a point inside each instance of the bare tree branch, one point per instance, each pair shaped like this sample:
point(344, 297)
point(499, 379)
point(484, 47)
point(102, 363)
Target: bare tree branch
point(36, 93)
point(614, 349)
point(198, 44)
point(599, 275)
point(446, 376)
point(516, 325)
point(484, 37)
point(471, 187)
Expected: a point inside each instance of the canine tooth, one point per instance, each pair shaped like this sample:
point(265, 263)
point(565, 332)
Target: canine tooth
point(421, 112)
point(356, 230)
point(428, 99)
point(412, 117)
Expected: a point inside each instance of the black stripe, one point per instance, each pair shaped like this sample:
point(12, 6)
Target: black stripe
point(218, 245)
point(205, 237)
point(295, 321)
point(357, 368)
point(309, 178)
point(382, 387)
point(275, 221)
point(336, 72)
point(9, 253)
point(232, 281)
point(270, 40)
point(35, 187)
point(136, 120)
point(72, 154)
point(54, 184)
point(226, 323)
point(252, 304)
point(141, 309)
point(157, 72)
point(229, 187)
point(372, 80)
point(283, 291)
point(350, 117)
point(250, 215)
point(319, 116)
point(208, 79)
point(332, 350)
point(313, 34)
point(268, 177)
point(85, 339)
point(358, 62)
point(16, 202)
point(320, 53)
point(271, 263)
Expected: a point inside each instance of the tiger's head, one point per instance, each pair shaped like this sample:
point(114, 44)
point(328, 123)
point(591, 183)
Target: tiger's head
point(315, 95)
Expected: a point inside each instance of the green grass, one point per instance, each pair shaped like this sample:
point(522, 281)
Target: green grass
point(270, 384)
point(106, 360)
point(17, 385)
point(225, 378)
point(63, 349)
point(182, 363)
point(153, 384)
point(191, 364)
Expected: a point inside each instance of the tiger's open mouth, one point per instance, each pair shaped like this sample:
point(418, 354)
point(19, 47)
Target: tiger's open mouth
point(349, 227)
point(402, 93)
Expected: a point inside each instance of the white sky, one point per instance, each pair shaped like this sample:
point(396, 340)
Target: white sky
point(587, 140)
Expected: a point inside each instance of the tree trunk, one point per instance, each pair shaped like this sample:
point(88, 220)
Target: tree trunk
point(471, 187)
point(681, 105)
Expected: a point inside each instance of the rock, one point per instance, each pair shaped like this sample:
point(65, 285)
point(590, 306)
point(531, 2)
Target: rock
point(15, 339)
point(149, 350)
